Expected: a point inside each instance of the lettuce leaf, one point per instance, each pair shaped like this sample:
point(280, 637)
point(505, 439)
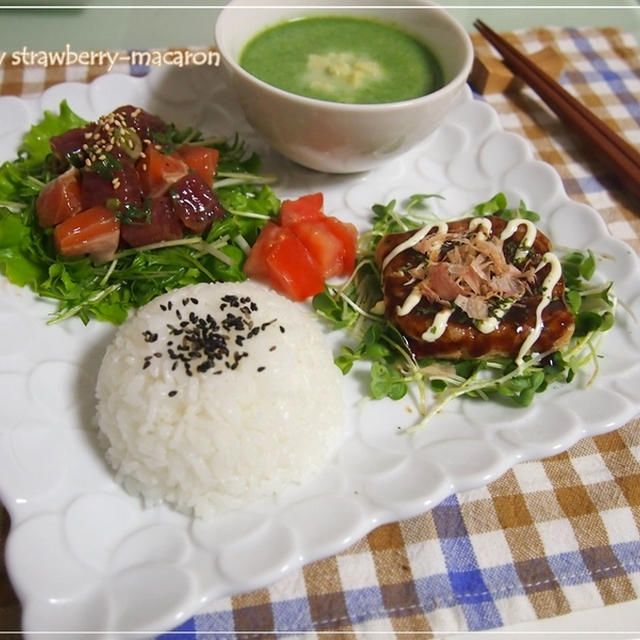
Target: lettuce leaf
point(35, 145)
point(15, 262)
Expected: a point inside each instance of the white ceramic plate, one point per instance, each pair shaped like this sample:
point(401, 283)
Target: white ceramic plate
point(85, 556)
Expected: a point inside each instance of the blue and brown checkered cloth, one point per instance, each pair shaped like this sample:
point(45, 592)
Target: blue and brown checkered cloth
point(547, 538)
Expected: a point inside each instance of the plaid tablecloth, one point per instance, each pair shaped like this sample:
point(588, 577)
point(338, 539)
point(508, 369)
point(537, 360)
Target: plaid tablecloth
point(550, 536)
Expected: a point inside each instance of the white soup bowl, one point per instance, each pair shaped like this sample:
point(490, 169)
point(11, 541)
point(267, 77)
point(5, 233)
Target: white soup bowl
point(337, 137)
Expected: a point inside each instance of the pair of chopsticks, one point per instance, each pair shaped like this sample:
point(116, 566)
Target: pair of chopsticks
point(621, 157)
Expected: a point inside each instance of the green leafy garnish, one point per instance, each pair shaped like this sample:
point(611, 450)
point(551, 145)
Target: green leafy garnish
point(105, 165)
point(357, 306)
point(131, 214)
point(498, 206)
point(110, 290)
point(171, 137)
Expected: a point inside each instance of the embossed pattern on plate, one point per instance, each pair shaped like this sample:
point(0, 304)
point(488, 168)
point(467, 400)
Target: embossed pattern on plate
point(82, 554)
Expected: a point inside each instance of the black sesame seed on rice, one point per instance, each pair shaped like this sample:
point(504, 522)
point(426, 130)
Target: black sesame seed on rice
point(203, 342)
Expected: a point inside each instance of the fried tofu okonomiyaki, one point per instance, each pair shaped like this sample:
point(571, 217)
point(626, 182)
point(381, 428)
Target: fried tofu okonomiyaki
point(475, 288)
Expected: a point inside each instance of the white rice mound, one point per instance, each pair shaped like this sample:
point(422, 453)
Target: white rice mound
point(218, 439)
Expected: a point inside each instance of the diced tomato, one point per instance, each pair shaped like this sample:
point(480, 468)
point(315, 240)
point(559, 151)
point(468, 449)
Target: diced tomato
point(158, 171)
point(301, 249)
point(307, 207)
point(94, 232)
point(348, 235)
point(201, 160)
point(163, 224)
point(292, 270)
point(279, 259)
point(255, 265)
point(59, 199)
point(325, 248)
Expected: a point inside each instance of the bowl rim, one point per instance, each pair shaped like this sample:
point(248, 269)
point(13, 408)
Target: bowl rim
point(452, 85)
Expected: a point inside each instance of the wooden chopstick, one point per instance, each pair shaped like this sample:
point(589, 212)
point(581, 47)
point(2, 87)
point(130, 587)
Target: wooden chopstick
point(613, 150)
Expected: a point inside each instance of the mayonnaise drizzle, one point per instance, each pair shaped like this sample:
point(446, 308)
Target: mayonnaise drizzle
point(414, 296)
point(488, 325)
point(484, 224)
point(410, 302)
point(529, 236)
point(437, 328)
point(441, 227)
point(548, 285)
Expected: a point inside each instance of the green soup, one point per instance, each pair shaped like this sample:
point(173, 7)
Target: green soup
point(343, 59)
